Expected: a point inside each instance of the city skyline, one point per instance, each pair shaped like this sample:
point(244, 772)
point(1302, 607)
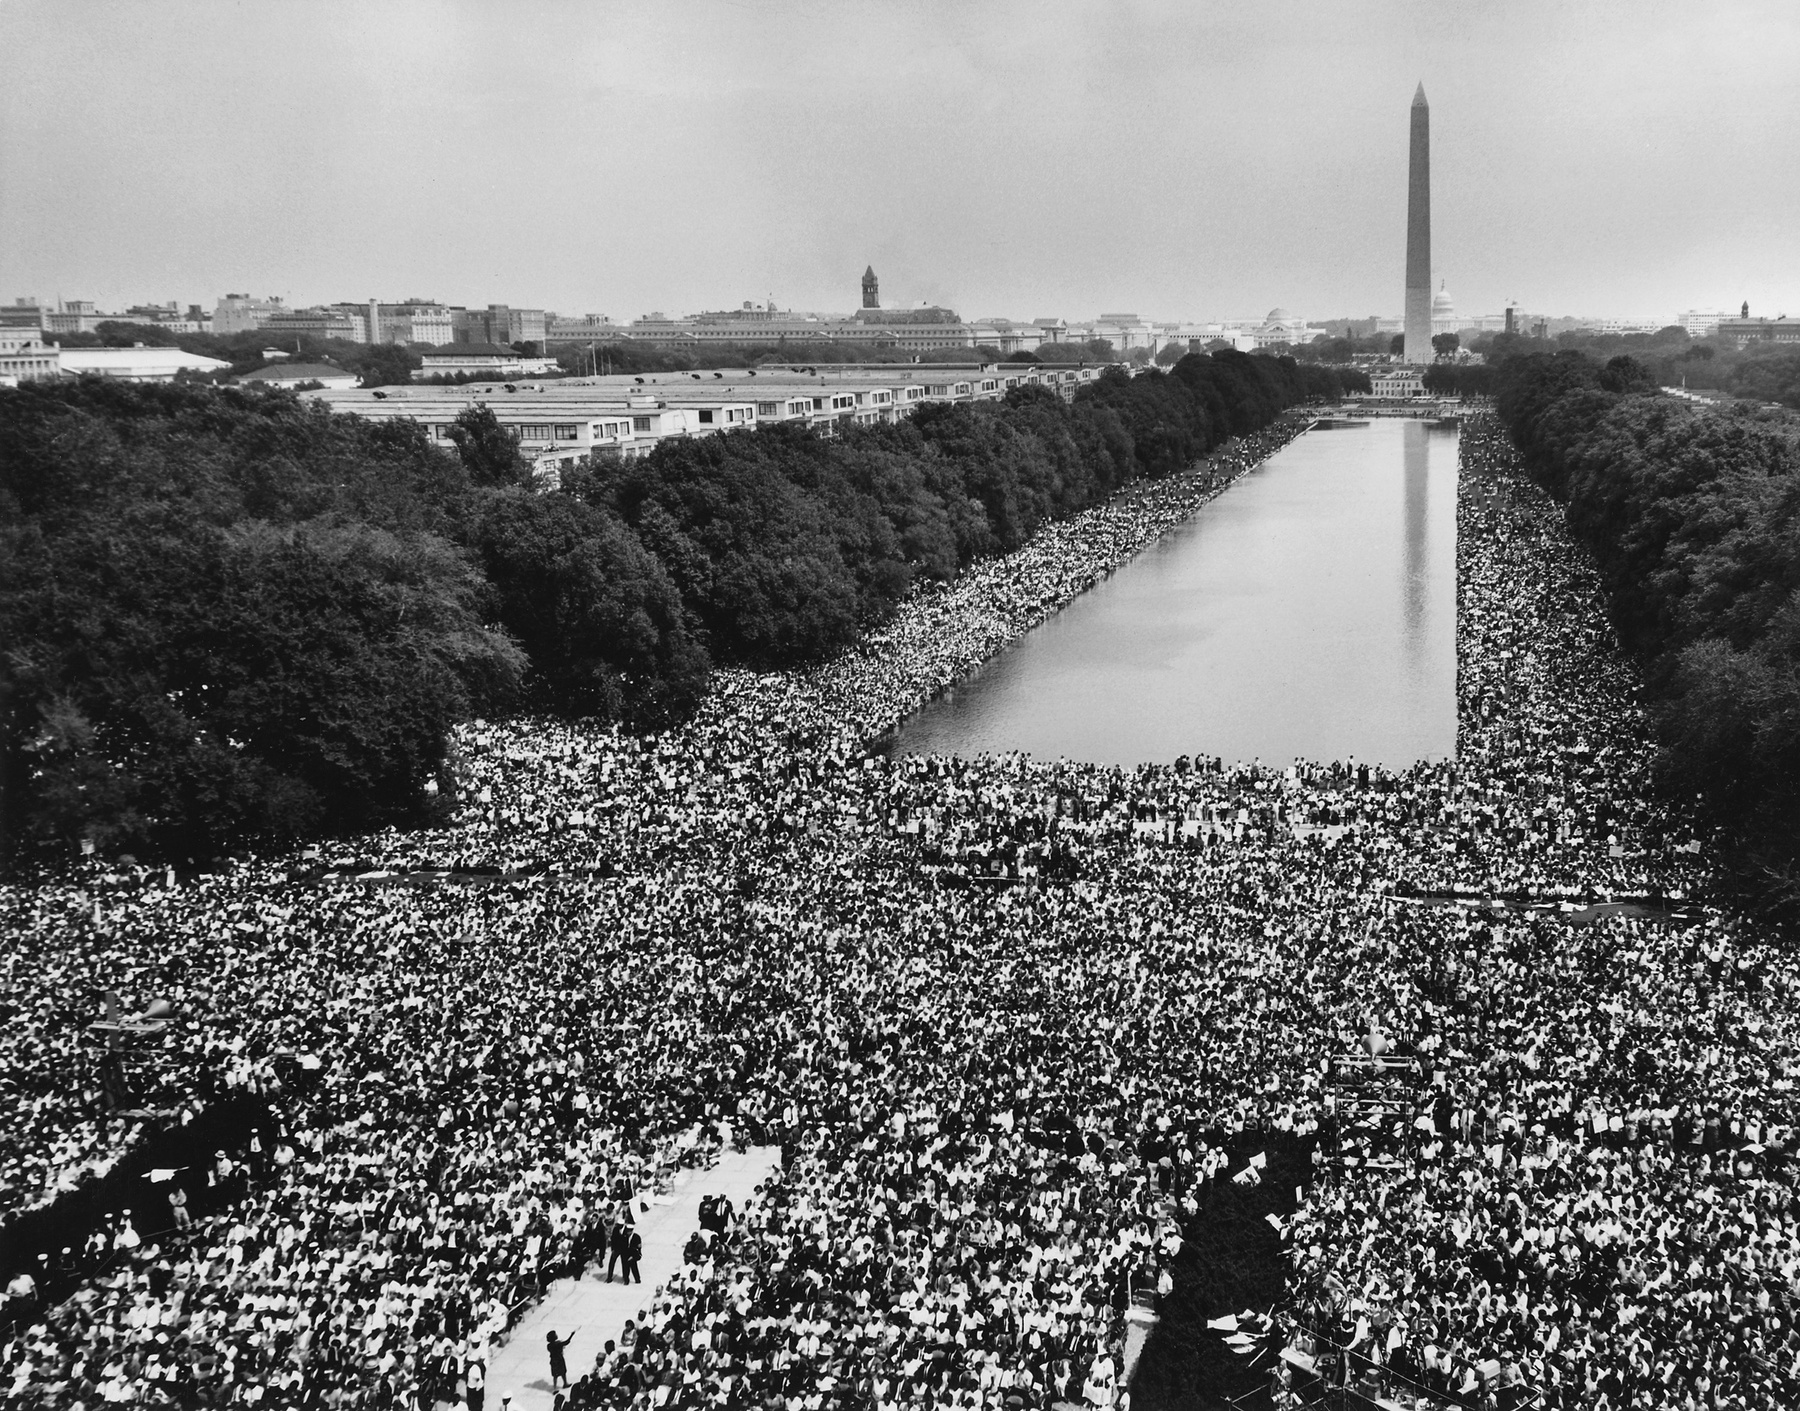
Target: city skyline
point(169, 312)
point(1181, 163)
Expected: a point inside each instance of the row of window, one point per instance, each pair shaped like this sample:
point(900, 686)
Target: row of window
point(731, 416)
point(571, 431)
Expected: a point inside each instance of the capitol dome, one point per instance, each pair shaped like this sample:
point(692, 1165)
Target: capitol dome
point(1443, 312)
point(1279, 316)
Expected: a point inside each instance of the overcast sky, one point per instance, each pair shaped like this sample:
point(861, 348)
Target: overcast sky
point(1179, 160)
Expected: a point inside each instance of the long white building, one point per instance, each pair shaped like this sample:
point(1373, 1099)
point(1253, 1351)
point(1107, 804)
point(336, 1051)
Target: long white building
point(136, 364)
point(560, 423)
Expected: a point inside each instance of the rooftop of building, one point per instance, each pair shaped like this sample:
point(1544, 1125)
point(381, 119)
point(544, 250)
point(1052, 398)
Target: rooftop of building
point(295, 372)
point(737, 383)
point(140, 354)
point(470, 350)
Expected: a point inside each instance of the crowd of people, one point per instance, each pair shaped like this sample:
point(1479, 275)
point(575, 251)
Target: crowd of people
point(1002, 1016)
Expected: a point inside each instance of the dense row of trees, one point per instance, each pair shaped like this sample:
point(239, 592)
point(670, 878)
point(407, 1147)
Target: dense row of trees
point(1693, 514)
point(226, 616)
point(232, 617)
point(1763, 371)
point(1460, 379)
point(375, 364)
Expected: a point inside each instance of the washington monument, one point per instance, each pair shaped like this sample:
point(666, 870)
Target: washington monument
point(1418, 235)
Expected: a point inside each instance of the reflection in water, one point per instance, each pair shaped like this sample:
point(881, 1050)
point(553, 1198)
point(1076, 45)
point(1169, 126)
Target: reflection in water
point(1309, 611)
point(1416, 455)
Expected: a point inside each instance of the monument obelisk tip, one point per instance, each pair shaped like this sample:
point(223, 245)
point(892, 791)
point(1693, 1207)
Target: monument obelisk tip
point(1417, 342)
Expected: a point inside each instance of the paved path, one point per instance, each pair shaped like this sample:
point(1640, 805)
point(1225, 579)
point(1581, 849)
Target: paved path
point(596, 1310)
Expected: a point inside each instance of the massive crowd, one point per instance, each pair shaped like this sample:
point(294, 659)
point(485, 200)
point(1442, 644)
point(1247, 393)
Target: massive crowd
point(1002, 1017)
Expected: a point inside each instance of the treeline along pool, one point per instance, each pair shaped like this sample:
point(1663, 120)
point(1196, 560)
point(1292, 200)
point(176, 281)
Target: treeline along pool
point(1310, 611)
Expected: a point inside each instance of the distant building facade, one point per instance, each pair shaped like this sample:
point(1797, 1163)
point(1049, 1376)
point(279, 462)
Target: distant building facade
point(578, 332)
point(1007, 335)
point(1283, 327)
point(412, 321)
point(239, 313)
point(1125, 331)
point(1395, 383)
point(1743, 329)
point(22, 313)
point(25, 357)
point(905, 330)
point(169, 317)
point(497, 323)
point(74, 316)
point(479, 360)
point(346, 324)
point(1624, 325)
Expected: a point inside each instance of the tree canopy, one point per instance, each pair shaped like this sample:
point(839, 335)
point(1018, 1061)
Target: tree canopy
point(230, 618)
point(1693, 516)
point(234, 619)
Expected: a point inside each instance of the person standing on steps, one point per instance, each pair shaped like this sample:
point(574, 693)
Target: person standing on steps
point(559, 1368)
point(634, 1251)
point(616, 1248)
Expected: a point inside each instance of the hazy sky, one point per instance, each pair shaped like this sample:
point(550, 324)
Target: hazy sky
point(1180, 160)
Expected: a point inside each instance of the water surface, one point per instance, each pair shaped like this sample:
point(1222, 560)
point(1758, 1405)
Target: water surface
point(1309, 611)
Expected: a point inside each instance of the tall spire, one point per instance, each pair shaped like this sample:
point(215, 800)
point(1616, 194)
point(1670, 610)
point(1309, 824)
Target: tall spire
point(1418, 235)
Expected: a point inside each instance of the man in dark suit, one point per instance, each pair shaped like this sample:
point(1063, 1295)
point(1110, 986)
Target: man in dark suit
point(615, 1248)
